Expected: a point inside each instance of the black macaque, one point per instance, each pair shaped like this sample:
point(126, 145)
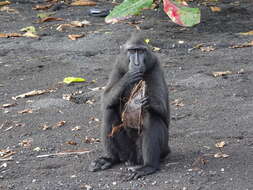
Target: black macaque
point(135, 62)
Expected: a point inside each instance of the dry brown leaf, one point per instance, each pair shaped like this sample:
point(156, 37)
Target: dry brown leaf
point(215, 9)
point(71, 142)
point(5, 153)
point(9, 105)
point(5, 3)
point(76, 128)
point(9, 10)
point(49, 19)
point(32, 93)
point(220, 144)
point(221, 73)
point(59, 124)
point(156, 49)
point(30, 34)
point(77, 23)
point(83, 3)
point(8, 35)
point(178, 102)
point(91, 140)
point(45, 127)
point(42, 7)
point(62, 27)
point(220, 155)
point(25, 111)
point(249, 33)
point(115, 130)
point(247, 44)
point(26, 142)
point(207, 49)
point(75, 36)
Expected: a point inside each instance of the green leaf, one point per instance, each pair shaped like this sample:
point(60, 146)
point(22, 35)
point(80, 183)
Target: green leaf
point(181, 14)
point(127, 9)
point(29, 29)
point(44, 15)
point(69, 80)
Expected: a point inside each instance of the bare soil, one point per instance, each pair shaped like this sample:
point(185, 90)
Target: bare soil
point(207, 109)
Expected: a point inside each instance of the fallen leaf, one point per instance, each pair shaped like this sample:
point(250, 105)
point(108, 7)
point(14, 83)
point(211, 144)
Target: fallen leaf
point(49, 19)
point(71, 142)
point(37, 149)
point(69, 80)
point(247, 44)
point(177, 102)
point(75, 36)
point(45, 15)
point(249, 33)
point(91, 140)
point(215, 9)
point(8, 35)
point(76, 128)
point(77, 23)
point(28, 29)
point(31, 35)
point(9, 105)
point(94, 119)
point(45, 127)
point(156, 49)
point(68, 97)
point(5, 3)
point(207, 49)
point(26, 142)
point(147, 41)
point(221, 73)
point(83, 3)
point(9, 10)
point(25, 111)
point(220, 144)
point(220, 155)
point(32, 93)
point(91, 102)
point(115, 130)
point(5, 153)
point(181, 14)
point(42, 7)
point(59, 124)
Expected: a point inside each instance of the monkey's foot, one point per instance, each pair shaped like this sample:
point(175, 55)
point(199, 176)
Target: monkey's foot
point(100, 164)
point(140, 172)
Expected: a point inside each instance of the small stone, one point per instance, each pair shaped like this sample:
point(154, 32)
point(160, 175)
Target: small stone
point(114, 183)
point(88, 187)
point(34, 180)
point(154, 183)
point(222, 169)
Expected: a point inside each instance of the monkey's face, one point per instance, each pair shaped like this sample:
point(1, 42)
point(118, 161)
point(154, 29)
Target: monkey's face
point(136, 57)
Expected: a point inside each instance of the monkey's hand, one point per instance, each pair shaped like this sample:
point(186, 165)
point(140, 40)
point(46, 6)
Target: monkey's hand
point(133, 77)
point(145, 103)
point(101, 163)
point(140, 172)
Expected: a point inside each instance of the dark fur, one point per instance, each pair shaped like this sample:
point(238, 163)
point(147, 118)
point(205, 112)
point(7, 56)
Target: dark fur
point(127, 145)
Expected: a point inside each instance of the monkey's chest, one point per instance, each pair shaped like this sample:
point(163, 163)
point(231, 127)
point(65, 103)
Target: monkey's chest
point(132, 113)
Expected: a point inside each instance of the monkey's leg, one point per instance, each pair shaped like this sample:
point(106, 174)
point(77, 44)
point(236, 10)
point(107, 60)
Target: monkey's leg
point(111, 118)
point(154, 138)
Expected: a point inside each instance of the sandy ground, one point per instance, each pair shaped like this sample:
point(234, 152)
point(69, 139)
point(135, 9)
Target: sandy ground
point(204, 109)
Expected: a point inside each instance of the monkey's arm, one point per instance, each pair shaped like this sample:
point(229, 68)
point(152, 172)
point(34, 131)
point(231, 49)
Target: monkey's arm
point(117, 84)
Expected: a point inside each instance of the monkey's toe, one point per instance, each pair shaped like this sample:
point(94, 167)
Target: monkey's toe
point(140, 172)
point(100, 164)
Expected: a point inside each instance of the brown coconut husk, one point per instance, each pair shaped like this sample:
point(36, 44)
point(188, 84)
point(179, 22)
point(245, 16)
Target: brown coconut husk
point(132, 114)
